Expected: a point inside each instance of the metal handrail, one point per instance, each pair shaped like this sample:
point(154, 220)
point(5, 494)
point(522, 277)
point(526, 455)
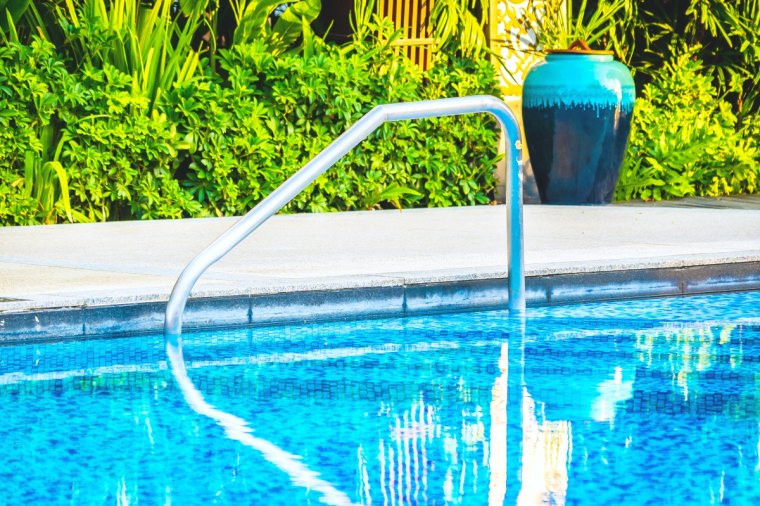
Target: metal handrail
point(334, 152)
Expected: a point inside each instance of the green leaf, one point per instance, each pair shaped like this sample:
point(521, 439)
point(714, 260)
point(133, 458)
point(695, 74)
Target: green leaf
point(64, 183)
point(11, 11)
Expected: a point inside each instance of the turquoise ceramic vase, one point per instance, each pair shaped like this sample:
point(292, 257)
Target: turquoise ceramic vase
point(577, 109)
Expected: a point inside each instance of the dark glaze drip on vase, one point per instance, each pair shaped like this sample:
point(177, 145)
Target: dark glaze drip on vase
point(577, 157)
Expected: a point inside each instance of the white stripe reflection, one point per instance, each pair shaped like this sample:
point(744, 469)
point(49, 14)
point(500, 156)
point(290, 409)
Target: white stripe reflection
point(264, 358)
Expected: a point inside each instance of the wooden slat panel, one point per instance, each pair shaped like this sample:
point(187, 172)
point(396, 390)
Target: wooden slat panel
point(397, 15)
point(411, 17)
point(414, 20)
point(414, 42)
point(427, 52)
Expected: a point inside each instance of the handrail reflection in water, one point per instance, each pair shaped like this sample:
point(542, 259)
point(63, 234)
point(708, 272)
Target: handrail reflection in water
point(238, 429)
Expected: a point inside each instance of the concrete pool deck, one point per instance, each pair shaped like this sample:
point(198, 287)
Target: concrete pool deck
point(92, 278)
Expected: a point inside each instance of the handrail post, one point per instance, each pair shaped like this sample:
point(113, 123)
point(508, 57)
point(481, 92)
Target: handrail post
point(334, 152)
point(515, 232)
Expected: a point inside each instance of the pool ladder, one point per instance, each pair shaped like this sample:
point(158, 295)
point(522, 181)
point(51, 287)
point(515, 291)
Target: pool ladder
point(334, 152)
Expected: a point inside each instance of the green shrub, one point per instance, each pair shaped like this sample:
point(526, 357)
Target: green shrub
point(81, 146)
point(89, 146)
point(16, 208)
point(32, 82)
point(685, 141)
point(119, 157)
point(270, 115)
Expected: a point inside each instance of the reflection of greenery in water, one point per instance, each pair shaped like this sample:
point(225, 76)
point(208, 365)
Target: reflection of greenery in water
point(691, 351)
point(683, 429)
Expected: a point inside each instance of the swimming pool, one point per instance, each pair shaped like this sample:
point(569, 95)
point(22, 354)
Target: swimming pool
point(636, 402)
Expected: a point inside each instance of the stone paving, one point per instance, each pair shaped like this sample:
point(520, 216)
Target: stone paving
point(127, 262)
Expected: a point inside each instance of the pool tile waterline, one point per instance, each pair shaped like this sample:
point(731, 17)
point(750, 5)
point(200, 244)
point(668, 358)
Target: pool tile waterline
point(377, 302)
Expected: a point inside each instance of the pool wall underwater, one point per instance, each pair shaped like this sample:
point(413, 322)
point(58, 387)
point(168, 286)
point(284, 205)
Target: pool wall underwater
point(471, 293)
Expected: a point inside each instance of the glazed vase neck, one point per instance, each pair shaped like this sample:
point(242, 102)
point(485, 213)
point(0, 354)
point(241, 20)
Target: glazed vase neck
point(579, 56)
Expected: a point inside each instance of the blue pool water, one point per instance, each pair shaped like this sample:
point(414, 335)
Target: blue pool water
point(638, 402)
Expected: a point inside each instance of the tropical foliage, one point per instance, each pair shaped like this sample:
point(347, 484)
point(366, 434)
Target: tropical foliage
point(147, 41)
point(698, 64)
point(557, 24)
point(726, 35)
point(80, 146)
point(686, 139)
point(32, 83)
point(458, 26)
point(643, 33)
point(121, 109)
point(11, 11)
point(86, 140)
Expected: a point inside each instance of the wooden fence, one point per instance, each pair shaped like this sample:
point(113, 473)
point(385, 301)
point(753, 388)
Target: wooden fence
point(412, 18)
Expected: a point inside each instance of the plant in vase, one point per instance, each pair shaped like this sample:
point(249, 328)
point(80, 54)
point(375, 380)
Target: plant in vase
point(578, 103)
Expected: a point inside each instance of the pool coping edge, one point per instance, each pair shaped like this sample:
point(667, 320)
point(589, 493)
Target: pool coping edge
point(396, 298)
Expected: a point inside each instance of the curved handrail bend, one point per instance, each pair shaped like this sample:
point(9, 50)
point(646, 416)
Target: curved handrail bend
point(334, 152)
